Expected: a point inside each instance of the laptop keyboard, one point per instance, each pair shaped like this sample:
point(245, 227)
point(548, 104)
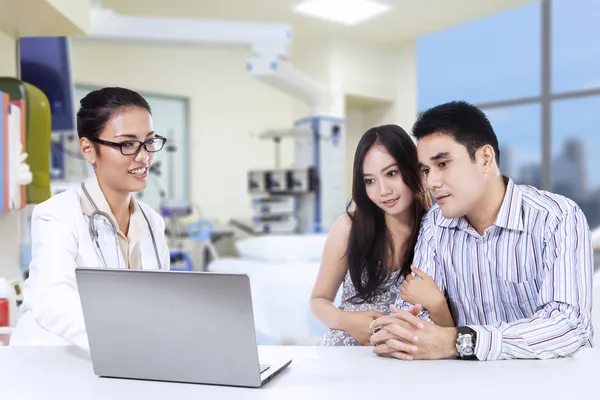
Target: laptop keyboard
point(264, 367)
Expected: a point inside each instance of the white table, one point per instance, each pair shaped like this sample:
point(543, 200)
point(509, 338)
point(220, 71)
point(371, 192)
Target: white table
point(315, 373)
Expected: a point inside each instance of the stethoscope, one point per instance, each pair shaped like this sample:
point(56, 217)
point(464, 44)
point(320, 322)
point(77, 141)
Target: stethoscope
point(94, 230)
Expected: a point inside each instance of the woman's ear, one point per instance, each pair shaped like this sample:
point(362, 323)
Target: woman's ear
point(88, 150)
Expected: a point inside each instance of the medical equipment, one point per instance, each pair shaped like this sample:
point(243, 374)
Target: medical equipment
point(93, 229)
point(312, 184)
point(274, 204)
point(276, 198)
point(183, 225)
point(291, 283)
point(275, 223)
point(200, 233)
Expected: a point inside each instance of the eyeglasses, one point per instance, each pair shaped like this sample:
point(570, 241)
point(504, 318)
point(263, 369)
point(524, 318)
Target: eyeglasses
point(133, 147)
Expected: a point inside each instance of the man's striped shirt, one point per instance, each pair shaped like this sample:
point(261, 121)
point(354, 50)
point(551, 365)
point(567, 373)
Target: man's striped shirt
point(525, 285)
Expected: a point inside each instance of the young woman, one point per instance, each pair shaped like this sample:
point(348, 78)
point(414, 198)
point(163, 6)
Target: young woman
point(96, 224)
point(370, 250)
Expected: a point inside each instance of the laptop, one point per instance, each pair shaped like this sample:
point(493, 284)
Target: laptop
point(192, 327)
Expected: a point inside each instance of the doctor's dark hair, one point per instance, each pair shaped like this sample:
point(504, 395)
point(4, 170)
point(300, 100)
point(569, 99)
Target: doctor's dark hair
point(370, 247)
point(99, 106)
point(464, 122)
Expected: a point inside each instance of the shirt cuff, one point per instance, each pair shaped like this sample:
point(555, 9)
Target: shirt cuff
point(488, 346)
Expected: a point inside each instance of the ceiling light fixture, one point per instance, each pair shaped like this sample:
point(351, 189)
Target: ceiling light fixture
point(347, 12)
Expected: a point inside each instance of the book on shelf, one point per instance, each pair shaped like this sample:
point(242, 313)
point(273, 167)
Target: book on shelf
point(11, 139)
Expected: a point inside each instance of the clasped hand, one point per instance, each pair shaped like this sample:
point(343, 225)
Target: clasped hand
point(405, 336)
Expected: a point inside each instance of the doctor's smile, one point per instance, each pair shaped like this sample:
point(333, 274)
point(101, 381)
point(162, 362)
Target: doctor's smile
point(140, 172)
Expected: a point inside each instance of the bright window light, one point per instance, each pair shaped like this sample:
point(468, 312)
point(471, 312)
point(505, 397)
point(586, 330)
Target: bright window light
point(348, 12)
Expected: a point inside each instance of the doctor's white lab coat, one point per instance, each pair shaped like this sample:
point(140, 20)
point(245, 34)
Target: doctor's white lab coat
point(51, 312)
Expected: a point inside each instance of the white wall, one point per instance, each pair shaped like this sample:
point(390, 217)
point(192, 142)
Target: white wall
point(8, 64)
point(226, 107)
point(355, 127)
point(376, 73)
point(380, 74)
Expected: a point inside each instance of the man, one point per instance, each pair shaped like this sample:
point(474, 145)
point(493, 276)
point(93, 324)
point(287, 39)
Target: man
point(515, 262)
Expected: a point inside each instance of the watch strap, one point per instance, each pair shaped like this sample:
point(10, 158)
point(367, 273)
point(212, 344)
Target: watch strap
point(465, 330)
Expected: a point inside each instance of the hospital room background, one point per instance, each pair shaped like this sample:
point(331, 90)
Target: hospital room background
point(264, 101)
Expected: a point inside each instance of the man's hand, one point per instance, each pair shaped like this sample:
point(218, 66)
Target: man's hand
point(383, 333)
point(357, 324)
point(407, 337)
point(422, 290)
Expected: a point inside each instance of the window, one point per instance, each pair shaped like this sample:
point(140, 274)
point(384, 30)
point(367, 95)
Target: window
point(519, 137)
point(496, 64)
point(575, 51)
point(487, 60)
point(170, 119)
point(575, 145)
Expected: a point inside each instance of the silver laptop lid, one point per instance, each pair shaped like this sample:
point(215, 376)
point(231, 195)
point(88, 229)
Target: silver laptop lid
point(173, 326)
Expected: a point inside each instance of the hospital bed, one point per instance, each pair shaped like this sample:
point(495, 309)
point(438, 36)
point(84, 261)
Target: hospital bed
point(282, 271)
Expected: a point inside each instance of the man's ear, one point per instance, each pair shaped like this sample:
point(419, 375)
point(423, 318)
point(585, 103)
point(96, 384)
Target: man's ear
point(88, 150)
point(487, 156)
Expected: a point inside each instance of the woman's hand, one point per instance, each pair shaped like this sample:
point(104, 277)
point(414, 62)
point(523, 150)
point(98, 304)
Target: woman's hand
point(358, 325)
point(422, 290)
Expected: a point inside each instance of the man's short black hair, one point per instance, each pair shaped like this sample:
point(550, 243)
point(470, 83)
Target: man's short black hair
point(464, 122)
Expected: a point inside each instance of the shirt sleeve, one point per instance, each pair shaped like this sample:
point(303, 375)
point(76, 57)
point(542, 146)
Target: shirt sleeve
point(562, 324)
point(425, 257)
point(51, 290)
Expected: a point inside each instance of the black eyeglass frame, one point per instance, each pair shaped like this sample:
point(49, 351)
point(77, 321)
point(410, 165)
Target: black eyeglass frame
point(139, 147)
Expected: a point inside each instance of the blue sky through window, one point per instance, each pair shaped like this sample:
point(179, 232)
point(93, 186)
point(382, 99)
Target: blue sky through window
point(490, 59)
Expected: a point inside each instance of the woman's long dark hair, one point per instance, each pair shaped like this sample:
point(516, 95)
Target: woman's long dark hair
point(370, 247)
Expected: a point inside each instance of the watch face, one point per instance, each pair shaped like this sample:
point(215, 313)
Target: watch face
point(467, 351)
point(465, 345)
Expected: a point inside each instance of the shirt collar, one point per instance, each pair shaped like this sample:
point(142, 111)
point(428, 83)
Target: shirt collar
point(510, 215)
point(97, 195)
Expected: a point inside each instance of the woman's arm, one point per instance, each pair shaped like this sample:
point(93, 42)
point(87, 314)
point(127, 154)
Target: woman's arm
point(423, 290)
point(441, 315)
point(331, 275)
point(51, 292)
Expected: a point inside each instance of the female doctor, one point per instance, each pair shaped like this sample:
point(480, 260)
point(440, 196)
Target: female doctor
point(96, 224)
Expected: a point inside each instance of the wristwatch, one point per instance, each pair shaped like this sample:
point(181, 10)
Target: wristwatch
point(465, 343)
